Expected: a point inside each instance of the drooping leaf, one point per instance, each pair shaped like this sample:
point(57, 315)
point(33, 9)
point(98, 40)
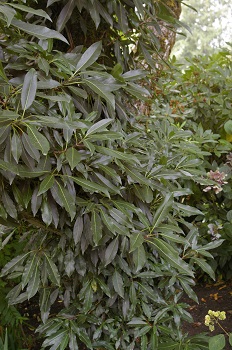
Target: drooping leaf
point(64, 15)
point(47, 183)
point(73, 157)
point(28, 9)
point(52, 270)
point(38, 31)
point(67, 200)
point(38, 140)
point(136, 240)
point(29, 89)
point(139, 258)
point(98, 127)
point(96, 225)
point(161, 212)
point(12, 265)
point(111, 251)
point(118, 283)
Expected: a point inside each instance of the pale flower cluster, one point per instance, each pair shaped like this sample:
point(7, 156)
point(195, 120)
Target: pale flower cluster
point(212, 317)
point(218, 177)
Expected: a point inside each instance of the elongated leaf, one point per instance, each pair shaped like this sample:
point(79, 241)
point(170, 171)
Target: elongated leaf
point(28, 9)
point(14, 263)
point(37, 139)
point(38, 31)
point(162, 211)
point(67, 200)
point(29, 89)
point(117, 154)
point(16, 147)
point(64, 15)
point(34, 282)
point(9, 205)
point(139, 258)
point(47, 183)
point(96, 225)
point(77, 229)
point(98, 127)
point(29, 270)
point(204, 266)
point(52, 271)
point(137, 176)
point(136, 240)
point(73, 157)
point(99, 89)
point(168, 253)
point(118, 283)
point(90, 56)
point(84, 338)
point(90, 186)
point(111, 251)
point(8, 12)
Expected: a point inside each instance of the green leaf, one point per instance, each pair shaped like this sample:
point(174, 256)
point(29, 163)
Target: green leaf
point(77, 229)
point(98, 127)
point(90, 56)
point(228, 127)
point(38, 31)
point(118, 283)
point(16, 147)
point(73, 157)
point(137, 176)
point(84, 338)
point(111, 251)
point(90, 185)
point(13, 264)
point(127, 157)
point(38, 140)
point(9, 205)
point(136, 240)
point(47, 183)
point(163, 210)
point(100, 89)
point(52, 271)
point(29, 89)
point(139, 258)
point(28, 9)
point(204, 266)
point(67, 200)
point(96, 225)
point(64, 15)
point(217, 342)
point(29, 270)
point(187, 210)
point(169, 254)
point(230, 338)
point(34, 282)
point(8, 12)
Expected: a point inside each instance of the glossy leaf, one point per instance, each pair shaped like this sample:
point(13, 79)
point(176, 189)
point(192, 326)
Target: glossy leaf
point(29, 89)
point(118, 283)
point(73, 157)
point(52, 271)
point(38, 140)
point(111, 251)
point(67, 200)
point(90, 56)
point(46, 184)
point(64, 15)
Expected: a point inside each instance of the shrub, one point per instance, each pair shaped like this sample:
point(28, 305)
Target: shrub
point(100, 194)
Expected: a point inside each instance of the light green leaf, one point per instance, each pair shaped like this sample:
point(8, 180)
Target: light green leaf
point(28, 9)
point(98, 127)
point(38, 31)
point(67, 200)
point(90, 56)
point(37, 139)
point(29, 89)
point(52, 271)
point(73, 157)
point(118, 283)
point(217, 342)
point(47, 183)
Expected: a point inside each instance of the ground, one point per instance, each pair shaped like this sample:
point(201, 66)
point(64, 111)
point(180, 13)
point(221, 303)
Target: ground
point(216, 297)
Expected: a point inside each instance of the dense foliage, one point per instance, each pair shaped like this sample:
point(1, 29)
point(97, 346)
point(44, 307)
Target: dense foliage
point(98, 195)
point(198, 96)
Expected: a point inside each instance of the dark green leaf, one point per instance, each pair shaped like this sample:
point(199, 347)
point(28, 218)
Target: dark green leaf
point(64, 15)
point(96, 225)
point(52, 271)
point(136, 240)
point(139, 258)
point(67, 200)
point(73, 157)
point(47, 183)
point(29, 89)
point(118, 283)
point(111, 251)
point(90, 56)
point(37, 139)
point(28, 9)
